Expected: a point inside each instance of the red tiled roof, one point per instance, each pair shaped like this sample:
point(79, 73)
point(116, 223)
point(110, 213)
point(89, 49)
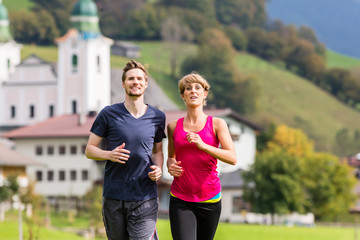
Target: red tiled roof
point(9, 157)
point(61, 126)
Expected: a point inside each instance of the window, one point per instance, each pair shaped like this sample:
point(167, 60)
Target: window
point(98, 63)
point(12, 112)
point(73, 149)
point(38, 150)
point(62, 150)
point(74, 63)
point(73, 175)
point(84, 175)
point(51, 110)
point(83, 148)
point(50, 150)
point(238, 204)
point(32, 111)
point(50, 176)
point(39, 176)
point(8, 64)
point(74, 106)
point(61, 175)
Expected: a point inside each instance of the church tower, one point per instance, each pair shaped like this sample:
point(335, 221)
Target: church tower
point(9, 49)
point(83, 63)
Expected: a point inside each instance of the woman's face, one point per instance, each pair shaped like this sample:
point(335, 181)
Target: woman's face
point(194, 94)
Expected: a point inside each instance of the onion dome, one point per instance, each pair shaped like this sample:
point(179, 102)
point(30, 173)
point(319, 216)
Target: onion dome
point(84, 18)
point(5, 34)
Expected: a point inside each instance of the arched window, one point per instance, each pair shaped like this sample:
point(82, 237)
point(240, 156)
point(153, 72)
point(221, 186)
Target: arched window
point(74, 106)
point(12, 111)
point(51, 110)
point(74, 63)
point(32, 111)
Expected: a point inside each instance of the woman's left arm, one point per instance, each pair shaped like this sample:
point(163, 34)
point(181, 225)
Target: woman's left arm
point(227, 152)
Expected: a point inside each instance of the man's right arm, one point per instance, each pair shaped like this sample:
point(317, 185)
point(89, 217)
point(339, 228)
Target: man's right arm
point(93, 151)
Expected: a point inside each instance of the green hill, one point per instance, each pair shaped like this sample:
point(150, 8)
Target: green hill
point(285, 98)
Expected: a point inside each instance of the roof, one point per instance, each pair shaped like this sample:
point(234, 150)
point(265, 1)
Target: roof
point(3, 12)
point(84, 8)
point(127, 45)
point(74, 125)
point(232, 179)
point(9, 157)
point(215, 112)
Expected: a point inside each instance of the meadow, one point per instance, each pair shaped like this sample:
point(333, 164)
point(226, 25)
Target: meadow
point(226, 231)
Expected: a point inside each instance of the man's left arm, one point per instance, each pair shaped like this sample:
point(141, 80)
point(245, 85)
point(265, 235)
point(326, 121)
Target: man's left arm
point(158, 159)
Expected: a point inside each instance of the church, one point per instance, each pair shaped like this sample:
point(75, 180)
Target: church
point(34, 90)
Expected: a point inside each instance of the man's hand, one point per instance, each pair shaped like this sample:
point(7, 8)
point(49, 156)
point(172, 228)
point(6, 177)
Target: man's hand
point(155, 174)
point(119, 154)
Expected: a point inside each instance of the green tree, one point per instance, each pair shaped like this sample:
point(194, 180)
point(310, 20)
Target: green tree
point(59, 9)
point(237, 37)
point(205, 7)
point(243, 13)
point(276, 176)
point(329, 185)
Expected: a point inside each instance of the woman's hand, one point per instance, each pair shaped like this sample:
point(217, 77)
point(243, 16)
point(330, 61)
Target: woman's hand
point(175, 169)
point(195, 138)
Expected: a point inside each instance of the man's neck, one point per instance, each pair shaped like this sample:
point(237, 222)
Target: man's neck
point(135, 107)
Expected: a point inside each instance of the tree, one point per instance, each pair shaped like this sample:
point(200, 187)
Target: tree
point(29, 27)
point(324, 183)
point(173, 33)
point(276, 176)
point(329, 185)
point(243, 13)
point(59, 9)
point(237, 37)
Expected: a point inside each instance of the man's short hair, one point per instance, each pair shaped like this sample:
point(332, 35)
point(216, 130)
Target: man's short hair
point(132, 65)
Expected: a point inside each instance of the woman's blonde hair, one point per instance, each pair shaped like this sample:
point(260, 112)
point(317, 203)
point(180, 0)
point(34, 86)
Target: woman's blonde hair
point(193, 78)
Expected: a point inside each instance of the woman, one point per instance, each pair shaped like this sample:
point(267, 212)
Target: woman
point(193, 149)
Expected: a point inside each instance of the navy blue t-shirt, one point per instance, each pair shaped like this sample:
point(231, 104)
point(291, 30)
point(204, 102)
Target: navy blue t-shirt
point(130, 181)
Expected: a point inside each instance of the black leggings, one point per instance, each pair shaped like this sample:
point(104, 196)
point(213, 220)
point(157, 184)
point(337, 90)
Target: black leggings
point(193, 221)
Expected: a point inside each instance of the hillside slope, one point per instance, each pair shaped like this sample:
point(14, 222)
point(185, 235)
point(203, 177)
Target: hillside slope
point(290, 99)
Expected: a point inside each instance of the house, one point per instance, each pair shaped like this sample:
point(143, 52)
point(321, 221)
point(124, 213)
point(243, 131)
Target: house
point(59, 145)
point(125, 49)
point(13, 163)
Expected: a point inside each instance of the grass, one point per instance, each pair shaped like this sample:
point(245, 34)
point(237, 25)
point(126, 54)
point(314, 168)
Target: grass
point(338, 60)
point(226, 231)
point(17, 5)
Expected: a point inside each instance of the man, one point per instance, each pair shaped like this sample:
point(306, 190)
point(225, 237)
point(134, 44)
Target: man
point(133, 131)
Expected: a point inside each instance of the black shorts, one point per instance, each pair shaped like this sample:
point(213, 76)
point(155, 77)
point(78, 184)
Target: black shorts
point(193, 221)
point(130, 220)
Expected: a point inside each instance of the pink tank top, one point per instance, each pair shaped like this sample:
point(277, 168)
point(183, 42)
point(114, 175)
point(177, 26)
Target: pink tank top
point(200, 180)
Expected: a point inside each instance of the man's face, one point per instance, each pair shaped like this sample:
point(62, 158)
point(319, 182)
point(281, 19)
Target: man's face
point(135, 82)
